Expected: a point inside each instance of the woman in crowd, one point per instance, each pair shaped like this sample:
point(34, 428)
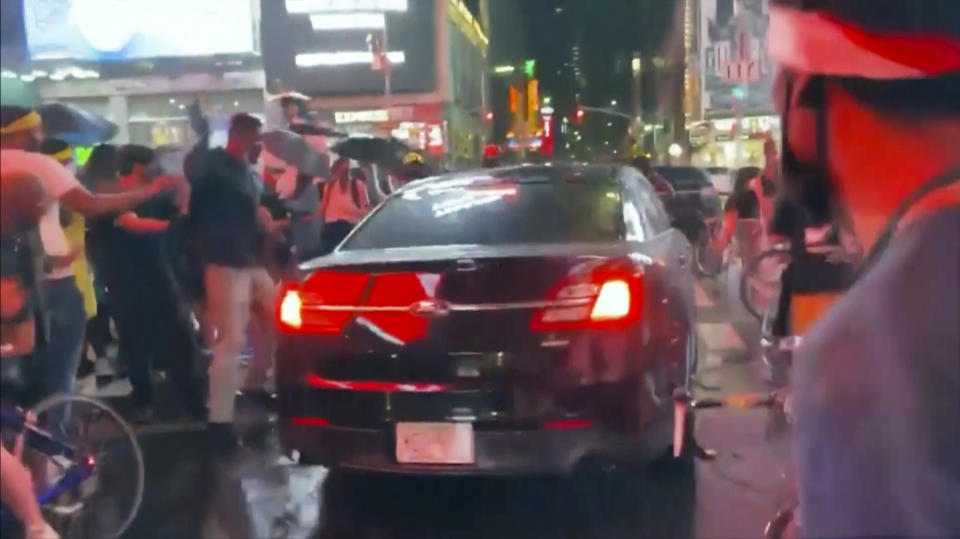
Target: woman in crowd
point(750, 204)
point(345, 202)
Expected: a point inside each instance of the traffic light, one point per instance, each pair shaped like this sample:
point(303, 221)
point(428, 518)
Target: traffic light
point(579, 114)
point(488, 116)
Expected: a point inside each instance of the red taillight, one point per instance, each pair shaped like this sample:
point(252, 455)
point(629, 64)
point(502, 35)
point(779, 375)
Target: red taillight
point(375, 386)
point(310, 421)
point(291, 305)
point(608, 296)
point(386, 304)
point(568, 424)
point(301, 306)
point(613, 301)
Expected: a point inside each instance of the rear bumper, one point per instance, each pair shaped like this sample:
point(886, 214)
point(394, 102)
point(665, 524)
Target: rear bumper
point(357, 429)
point(496, 452)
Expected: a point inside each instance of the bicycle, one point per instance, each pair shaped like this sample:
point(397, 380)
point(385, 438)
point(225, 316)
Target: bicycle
point(784, 524)
point(71, 461)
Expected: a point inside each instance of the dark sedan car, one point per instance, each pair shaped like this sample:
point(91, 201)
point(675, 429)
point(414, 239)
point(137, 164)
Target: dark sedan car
point(695, 200)
point(510, 320)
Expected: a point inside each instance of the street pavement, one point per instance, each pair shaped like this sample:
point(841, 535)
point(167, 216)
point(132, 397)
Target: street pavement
point(191, 492)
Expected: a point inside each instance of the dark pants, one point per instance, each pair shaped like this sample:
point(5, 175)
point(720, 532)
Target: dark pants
point(333, 234)
point(781, 322)
point(53, 367)
point(155, 329)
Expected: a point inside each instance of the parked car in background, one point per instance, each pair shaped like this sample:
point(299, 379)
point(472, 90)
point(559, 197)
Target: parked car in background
point(722, 179)
point(510, 320)
point(695, 202)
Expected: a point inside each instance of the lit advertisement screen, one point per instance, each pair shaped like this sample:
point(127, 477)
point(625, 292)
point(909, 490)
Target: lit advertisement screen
point(323, 47)
point(117, 30)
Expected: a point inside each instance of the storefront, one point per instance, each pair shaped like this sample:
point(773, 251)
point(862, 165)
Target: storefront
point(722, 143)
point(414, 70)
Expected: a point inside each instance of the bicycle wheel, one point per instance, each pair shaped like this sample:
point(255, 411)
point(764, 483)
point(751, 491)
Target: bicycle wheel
point(106, 502)
point(758, 289)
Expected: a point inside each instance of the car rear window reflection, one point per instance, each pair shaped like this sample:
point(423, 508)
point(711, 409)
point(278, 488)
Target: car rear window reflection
point(494, 213)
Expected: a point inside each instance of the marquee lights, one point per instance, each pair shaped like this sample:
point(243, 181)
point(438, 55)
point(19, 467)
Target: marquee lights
point(348, 21)
point(319, 6)
point(339, 58)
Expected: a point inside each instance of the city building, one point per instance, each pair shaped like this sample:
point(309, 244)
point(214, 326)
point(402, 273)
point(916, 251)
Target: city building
point(141, 66)
point(729, 83)
point(596, 64)
point(413, 69)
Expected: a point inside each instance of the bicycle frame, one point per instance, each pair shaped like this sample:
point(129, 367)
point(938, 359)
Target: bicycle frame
point(44, 442)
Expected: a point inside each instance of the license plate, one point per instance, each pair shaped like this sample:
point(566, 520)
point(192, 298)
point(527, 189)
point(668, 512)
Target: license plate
point(435, 443)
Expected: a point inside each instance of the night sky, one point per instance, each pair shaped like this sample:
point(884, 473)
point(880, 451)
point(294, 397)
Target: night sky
point(607, 33)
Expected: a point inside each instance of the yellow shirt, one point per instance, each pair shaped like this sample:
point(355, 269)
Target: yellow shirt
point(75, 232)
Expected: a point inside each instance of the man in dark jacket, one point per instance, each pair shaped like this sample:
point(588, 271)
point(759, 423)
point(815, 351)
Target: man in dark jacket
point(231, 235)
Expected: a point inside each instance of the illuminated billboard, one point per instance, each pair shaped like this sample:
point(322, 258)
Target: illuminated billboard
point(117, 30)
point(736, 68)
point(345, 47)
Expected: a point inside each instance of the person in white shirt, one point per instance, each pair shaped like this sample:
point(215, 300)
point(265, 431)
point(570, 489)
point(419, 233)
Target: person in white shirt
point(53, 367)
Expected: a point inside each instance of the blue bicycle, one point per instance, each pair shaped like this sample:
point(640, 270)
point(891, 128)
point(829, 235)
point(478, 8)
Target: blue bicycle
point(86, 464)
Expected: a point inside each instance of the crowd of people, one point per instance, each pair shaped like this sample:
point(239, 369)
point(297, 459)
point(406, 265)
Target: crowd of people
point(162, 255)
point(183, 267)
point(870, 117)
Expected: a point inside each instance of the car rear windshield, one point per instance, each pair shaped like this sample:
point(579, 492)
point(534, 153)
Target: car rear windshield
point(684, 178)
point(499, 211)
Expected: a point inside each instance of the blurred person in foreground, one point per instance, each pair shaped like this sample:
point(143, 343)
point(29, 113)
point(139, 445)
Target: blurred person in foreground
point(232, 233)
point(152, 318)
point(871, 120)
point(55, 363)
point(345, 202)
point(24, 202)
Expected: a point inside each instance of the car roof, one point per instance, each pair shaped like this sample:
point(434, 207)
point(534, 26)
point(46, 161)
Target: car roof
point(589, 173)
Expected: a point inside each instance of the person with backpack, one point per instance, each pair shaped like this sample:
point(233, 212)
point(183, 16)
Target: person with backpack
point(345, 202)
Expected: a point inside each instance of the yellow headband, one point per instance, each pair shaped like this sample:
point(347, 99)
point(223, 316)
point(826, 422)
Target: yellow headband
point(23, 123)
point(65, 154)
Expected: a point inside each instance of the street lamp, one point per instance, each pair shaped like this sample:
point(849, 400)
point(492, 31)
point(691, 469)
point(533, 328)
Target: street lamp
point(613, 103)
point(675, 150)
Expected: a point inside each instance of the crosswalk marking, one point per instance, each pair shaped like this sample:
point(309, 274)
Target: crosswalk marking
point(712, 359)
point(702, 298)
point(720, 337)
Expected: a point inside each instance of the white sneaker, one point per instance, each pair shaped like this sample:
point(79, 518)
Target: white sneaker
point(41, 531)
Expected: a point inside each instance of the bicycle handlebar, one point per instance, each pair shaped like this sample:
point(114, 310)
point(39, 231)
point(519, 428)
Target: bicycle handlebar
point(743, 401)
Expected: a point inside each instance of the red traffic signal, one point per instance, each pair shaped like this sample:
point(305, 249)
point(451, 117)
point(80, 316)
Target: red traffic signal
point(579, 114)
point(488, 116)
